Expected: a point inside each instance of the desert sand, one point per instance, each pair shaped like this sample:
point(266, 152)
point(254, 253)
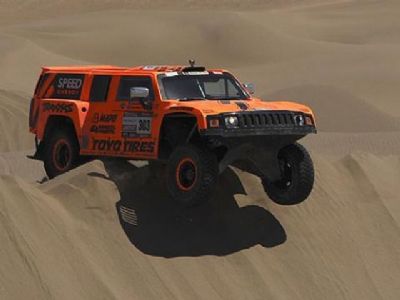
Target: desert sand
point(103, 231)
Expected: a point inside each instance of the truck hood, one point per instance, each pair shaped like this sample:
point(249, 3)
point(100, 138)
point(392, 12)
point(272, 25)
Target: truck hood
point(213, 107)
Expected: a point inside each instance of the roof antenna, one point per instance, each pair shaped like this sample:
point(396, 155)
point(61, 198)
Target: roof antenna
point(192, 62)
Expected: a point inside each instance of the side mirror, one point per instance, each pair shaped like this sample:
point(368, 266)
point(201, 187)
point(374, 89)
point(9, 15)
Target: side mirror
point(140, 94)
point(249, 88)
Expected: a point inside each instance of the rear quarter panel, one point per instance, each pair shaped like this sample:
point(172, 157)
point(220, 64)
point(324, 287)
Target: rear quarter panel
point(75, 110)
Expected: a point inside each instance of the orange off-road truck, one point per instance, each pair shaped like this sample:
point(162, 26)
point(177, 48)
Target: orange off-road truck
point(194, 121)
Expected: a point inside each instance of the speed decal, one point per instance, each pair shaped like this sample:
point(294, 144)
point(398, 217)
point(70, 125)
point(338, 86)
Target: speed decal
point(136, 124)
point(68, 86)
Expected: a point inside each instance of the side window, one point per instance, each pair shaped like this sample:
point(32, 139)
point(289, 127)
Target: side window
point(41, 81)
point(127, 82)
point(99, 89)
point(68, 86)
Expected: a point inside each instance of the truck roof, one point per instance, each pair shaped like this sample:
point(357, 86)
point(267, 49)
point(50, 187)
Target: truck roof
point(81, 68)
point(109, 69)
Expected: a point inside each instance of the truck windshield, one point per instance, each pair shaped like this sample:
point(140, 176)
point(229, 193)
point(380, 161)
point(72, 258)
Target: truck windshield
point(208, 86)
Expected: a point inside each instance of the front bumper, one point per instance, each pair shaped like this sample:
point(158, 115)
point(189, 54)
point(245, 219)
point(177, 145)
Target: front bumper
point(257, 137)
point(238, 132)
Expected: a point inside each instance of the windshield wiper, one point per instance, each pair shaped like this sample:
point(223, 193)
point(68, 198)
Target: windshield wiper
point(191, 98)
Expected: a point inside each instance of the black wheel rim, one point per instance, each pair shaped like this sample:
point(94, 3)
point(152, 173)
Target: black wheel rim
point(62, 155)
point(286, 181)
point(186, 174)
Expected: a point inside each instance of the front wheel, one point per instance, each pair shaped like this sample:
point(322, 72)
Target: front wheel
point(297, 176)
point(191, 174)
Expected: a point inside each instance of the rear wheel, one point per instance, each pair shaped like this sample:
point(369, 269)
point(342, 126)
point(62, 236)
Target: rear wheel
point(191, 174)
point(297, 178)
point(61, 153)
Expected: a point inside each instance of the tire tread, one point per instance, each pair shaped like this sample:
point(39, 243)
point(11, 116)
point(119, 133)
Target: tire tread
point(305, 178)
point(207, 183)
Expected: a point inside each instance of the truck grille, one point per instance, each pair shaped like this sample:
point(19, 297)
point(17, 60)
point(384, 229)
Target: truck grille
point(266, 119)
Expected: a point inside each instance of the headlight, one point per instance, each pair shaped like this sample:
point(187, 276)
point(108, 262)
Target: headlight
point(231, 121)
point(299, 119)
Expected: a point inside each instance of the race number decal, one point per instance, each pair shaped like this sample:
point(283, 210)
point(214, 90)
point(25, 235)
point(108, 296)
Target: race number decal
point(136, 124)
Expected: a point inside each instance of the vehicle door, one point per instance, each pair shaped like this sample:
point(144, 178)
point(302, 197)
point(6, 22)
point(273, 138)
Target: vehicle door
point(101, 122)
point(137, 119)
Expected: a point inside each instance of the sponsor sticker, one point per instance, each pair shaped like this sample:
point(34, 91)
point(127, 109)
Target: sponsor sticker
point(68, 86)
point(58, 107)
point(123, 146)
point(104, 118)
point(150, 67)
point(196, 73)
point(107, 129)
point(171, 74)
point(136, 124)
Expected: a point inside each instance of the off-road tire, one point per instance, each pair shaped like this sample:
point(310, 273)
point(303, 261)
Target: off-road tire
point(65, 139)
point(182, 160)
point(301, 178)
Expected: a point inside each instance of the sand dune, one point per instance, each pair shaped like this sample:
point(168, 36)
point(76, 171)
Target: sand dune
point(107, 229)
point(33, 9)
point(338, 110)
point(67, 242)
point(13, 122)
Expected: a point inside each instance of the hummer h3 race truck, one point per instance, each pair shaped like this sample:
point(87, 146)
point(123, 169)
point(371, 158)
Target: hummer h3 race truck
point(194, 121)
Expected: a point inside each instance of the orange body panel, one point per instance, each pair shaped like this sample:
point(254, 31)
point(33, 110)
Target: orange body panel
point(103, 127)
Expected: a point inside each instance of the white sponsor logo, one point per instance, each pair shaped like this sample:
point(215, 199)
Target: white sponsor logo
point(170, 74)
point(69, 83)
point(195, 73)
point(150, 67)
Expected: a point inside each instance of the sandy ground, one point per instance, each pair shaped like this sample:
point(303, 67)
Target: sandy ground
point(103, 231)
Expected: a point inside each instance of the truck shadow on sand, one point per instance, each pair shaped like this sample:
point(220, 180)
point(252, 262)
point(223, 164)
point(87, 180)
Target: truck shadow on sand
point(158, 226)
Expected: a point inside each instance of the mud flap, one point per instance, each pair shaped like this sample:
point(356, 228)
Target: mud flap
point(39, 151)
